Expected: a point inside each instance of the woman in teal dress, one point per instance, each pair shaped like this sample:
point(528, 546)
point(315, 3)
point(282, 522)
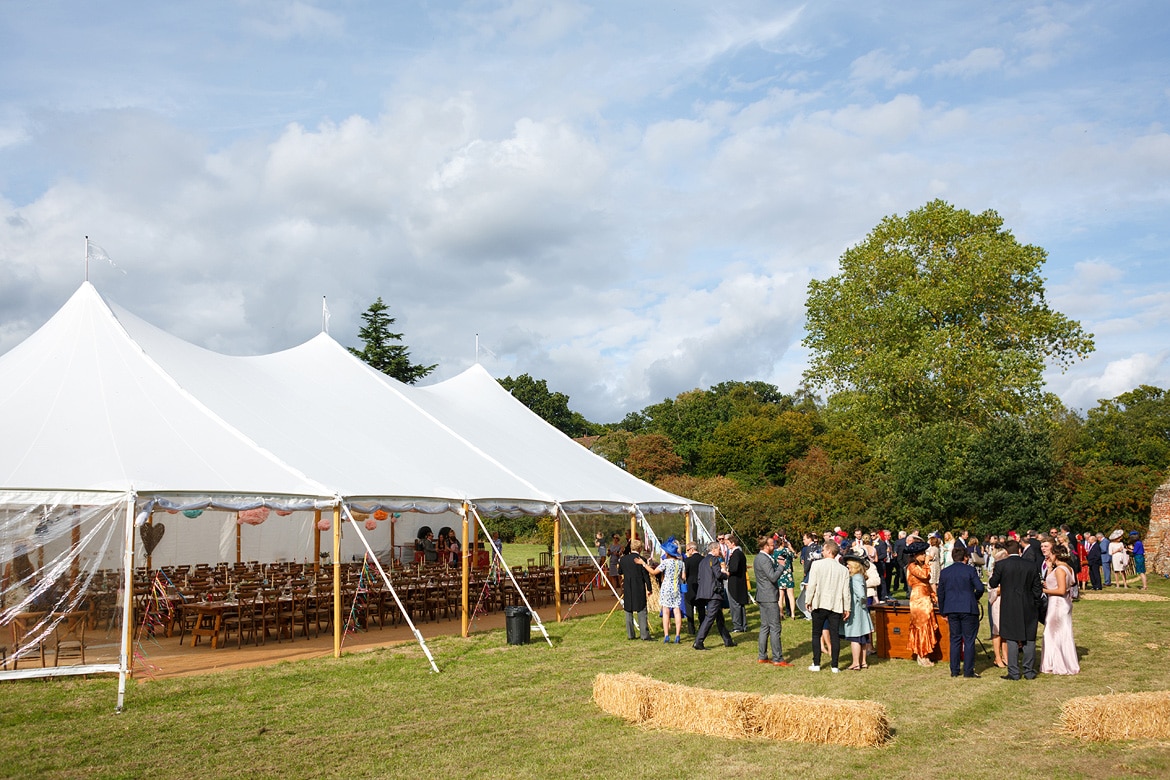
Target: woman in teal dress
point(859, 625)
point(784, 555)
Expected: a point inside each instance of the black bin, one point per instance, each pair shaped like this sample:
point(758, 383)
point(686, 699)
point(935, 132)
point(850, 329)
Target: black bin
point(519, 625)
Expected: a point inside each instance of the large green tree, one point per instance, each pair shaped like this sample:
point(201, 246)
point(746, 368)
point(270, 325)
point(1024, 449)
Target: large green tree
point(381, 351)
point(691, 418)
point(1132, 429)
point(552, 406)
point(937, 316)
point(1011, 479)
point(821, 494)
point(756, 448)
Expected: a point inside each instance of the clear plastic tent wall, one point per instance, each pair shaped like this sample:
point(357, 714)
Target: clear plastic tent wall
point(61, 561)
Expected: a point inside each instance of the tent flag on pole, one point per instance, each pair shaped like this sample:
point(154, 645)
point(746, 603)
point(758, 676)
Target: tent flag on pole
point(95, 252)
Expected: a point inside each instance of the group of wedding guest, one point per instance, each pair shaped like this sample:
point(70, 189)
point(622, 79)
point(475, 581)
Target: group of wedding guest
point(1028, 584)
point(1107, 560)
point(1030, 579)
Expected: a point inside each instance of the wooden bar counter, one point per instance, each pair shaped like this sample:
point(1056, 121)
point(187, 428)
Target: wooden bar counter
point(891, 623)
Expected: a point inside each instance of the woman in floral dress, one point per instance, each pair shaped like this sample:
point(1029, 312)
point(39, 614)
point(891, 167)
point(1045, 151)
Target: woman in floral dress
point(670, 593)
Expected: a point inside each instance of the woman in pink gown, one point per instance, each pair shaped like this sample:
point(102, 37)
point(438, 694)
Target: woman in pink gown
point(1060, 651)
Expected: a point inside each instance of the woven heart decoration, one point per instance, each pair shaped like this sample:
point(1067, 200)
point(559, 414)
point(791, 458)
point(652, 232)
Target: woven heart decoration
point(151, 536)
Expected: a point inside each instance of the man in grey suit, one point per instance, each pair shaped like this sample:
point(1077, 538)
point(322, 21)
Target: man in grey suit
point(711, 579)
point(1019, 596)
point(767, 574)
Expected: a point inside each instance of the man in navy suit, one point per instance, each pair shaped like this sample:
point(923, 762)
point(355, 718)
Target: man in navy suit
point(959, 589)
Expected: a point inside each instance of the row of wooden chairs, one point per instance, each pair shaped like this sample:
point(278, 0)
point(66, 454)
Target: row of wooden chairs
point(66, 640)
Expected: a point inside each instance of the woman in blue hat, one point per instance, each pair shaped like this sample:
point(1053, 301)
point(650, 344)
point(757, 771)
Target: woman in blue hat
point(670, 593)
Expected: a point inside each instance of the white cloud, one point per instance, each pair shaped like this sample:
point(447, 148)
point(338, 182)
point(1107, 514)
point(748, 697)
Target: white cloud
point(878, 66)
point(621, 201)
point(282, 20)
point(1116, 377)
point(975, 63)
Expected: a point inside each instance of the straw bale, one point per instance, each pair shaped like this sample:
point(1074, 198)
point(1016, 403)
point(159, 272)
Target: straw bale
point(1090, 596)
point(738, 715)
point(727, 714)
point(624, 695)
point(824, 721)
point(1094, 718)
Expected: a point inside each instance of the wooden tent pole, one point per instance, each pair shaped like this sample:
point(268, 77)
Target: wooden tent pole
point(465, 573)
point(337, 627)
point(75, 540)
point(557, 562)
point(239, 540)
point(149, 556)
point(316, 542)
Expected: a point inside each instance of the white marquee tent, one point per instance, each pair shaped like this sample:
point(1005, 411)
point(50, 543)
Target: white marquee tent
point(108, 420)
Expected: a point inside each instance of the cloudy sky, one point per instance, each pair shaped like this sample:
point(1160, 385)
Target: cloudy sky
point(626, 199)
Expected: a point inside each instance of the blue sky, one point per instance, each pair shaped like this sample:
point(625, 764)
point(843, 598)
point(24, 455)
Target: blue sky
point(626, 199)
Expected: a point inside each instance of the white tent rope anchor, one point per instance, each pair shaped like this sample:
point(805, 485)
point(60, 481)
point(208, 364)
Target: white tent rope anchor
point(386, 580)
point(508, 570)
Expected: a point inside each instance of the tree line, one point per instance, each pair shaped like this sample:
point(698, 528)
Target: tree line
point(923, 405)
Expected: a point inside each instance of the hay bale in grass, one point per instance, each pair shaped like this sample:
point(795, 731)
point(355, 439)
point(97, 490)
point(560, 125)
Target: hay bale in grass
point(1090, 596)
point(737, 715)
point(1147, 716)
point(824, 721)
point(728, 714)
point(624, 695)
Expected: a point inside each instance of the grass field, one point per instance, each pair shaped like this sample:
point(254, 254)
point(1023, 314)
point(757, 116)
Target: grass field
point(525, 712)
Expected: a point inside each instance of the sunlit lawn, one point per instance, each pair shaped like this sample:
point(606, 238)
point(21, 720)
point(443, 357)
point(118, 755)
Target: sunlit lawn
point(504, 711)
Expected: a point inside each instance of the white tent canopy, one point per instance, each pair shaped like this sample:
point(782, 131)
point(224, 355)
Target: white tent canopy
point(494, 422)
point(332, 416)
point(83, 408)
point(100, 409)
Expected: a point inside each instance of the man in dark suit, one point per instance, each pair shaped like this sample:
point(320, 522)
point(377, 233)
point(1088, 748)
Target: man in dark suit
point(1019, 597)
point(711, 579)
point(693, 606)
point(737, 588)
point(882, 549)
point(898, 563)
point(959, 589)
point(1032, 553)
point(635, 586)
point(1094, 560)
point(961, 540)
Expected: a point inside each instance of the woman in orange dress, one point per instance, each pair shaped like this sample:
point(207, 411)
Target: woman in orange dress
point(923, 639)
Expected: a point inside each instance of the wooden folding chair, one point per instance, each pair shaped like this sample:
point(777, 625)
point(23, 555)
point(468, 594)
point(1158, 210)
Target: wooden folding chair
point(70, 636)
point(25, 626)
